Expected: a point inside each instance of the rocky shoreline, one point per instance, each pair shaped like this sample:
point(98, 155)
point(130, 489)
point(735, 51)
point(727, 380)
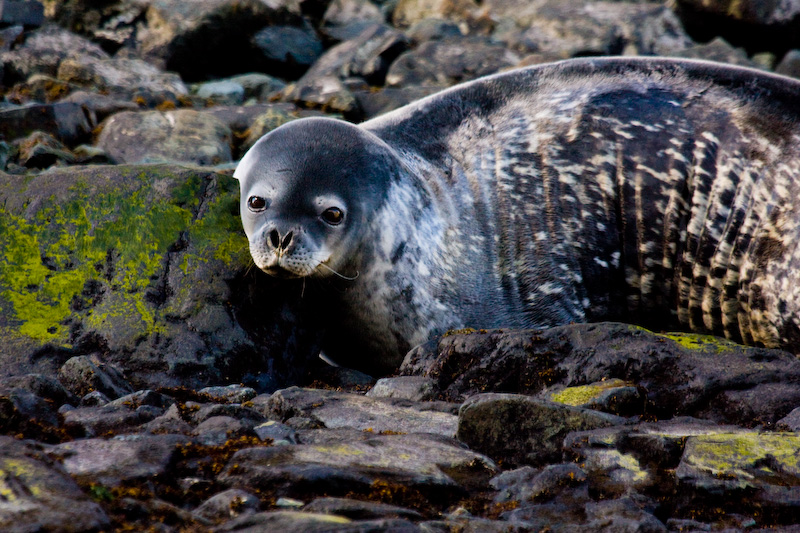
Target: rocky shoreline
point(152, 380)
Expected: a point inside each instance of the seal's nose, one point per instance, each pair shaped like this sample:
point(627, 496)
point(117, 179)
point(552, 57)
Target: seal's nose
point(277, 242)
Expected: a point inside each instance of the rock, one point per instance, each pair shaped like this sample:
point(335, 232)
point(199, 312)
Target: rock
point(168, 263)
point(229, 393)
point(414, 388)
point(523, 430)
point(24, 12)
point(45, 387)
point(184, 135)
point(94, 399)
point(408, 465)
point(741, 472)
point(82, 375)
point(171, 422)
point(750, 23)
point(39, 88)
point(121, 77)
point(570, 29)
point(373, 102)
point(222, 92)
point(680, 373)
point(280, 434)
point(289, 50)
point(208, 37)
point(342, 13)
point(143, 397)
point(340, 410)
point(301, 522)
point(39, 495)
point(23, 412)
point(790, 64)
point(359, 510)
point(624, 514)
point(99, 106)
point(122, 459)
point(103, 419)
point(258, 85)
point(44, 50)
point(216, 430)
point(368, 57)
point(9, 37)
point(41, 150)
point(246, 415)
point(433, 29)
point(64, 120)
point(228, 504)
point(790, 422)
point(445, 63)
point(409, 12)
point(611, 396)
point(718, 50)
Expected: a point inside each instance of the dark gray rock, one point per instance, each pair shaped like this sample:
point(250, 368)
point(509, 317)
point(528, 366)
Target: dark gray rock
point(409, 12)
point(246, 415)
point(43, 51)
point(125, 458)
point(624, 514)
point(121, 77)
point(223, 92)
point(183, 135)
point(610, 396)
point(423, 464)
point(359, 510)
point(790, 64)
point(82, 375)
point(216, 430)
point(290, 49)
point(277, 432)
point(790, 422)
point(414, 388)
point(301, 522)
point(103, 419)
point(208, 37)
point(229, 394)
point(571, 29)
point(171, 422)
point(445, 63)
point(258, 85)
point(27, 13)
point(373, 102)
point(144, 397)
point(368, 57)
point(9, 36)
point(718, 50)
point(682, 374)
point(342, 410)
point(23, 412)
point(94, 399)
point(38, 495)
point(64, 120)
point(433, 29)
point(754, 24)
point(228, 504)
point(43, 386)
point(519, 430)
point(98, 107)
point(41, 150)
point(342, 13)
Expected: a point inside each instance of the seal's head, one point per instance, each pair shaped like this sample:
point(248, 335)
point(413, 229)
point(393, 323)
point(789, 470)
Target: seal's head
point(308, 189)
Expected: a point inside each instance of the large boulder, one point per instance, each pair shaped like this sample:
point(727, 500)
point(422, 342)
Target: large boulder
point(145, 267)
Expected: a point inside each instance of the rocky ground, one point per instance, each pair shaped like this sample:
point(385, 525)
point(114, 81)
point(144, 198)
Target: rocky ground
point(146, 368)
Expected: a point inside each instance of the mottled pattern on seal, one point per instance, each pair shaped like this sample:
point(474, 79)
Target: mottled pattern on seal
point(663, 192)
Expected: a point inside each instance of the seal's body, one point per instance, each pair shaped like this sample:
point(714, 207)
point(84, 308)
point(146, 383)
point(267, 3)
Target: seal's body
point(663, 192)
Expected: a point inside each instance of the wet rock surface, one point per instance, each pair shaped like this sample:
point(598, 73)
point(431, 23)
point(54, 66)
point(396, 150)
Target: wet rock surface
point(152, 380)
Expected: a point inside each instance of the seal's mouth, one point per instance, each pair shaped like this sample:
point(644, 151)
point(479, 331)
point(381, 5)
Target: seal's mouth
point(281, 273)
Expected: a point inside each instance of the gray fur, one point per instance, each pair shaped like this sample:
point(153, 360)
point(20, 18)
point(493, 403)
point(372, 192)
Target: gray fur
point(664, 192)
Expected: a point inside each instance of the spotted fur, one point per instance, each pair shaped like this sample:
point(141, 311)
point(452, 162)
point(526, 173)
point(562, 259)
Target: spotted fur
point(663, 192)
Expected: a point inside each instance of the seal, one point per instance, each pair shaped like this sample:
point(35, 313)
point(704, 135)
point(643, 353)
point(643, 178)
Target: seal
point(655, 191)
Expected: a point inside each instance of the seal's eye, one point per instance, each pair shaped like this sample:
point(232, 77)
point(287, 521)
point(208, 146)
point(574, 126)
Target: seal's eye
point(333, 216)
point(256, 203)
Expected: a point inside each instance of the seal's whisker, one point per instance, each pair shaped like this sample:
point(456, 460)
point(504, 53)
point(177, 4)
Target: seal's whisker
point(340, 275)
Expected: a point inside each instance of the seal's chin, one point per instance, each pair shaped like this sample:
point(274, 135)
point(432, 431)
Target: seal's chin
point(281, 273)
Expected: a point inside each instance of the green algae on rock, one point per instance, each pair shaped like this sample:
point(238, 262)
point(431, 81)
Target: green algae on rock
point(136, 262)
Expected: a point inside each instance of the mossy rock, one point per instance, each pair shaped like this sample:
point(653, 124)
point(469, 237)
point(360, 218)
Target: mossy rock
point(145, 265)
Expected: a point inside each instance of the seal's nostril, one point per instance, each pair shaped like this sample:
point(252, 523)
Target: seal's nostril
point(275, 238)
point(287, 240)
